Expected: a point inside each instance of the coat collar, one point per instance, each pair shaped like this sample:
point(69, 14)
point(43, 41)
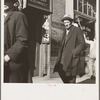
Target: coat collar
point(8, 16)
point(70, 33)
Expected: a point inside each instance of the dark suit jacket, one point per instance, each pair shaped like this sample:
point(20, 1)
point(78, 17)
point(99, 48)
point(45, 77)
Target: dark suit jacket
point(16, 44)
point(73, 47)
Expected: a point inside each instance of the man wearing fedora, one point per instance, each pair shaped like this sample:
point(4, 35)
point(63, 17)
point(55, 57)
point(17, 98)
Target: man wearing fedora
point(69, 54)
point(15, 44)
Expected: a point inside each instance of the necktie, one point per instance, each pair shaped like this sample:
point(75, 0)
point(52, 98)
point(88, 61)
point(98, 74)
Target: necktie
point(66, 36)
point(67, 31)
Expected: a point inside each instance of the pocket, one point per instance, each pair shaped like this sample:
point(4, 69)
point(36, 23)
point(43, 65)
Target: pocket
point(13, 66)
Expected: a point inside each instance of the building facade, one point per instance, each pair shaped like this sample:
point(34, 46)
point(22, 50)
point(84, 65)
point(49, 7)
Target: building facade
point(83, 12)
point(46, 28)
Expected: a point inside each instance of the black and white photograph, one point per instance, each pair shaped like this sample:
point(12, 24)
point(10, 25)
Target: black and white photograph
point(51, 43)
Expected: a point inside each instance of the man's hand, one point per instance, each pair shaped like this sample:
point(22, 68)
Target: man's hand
point(6, 58)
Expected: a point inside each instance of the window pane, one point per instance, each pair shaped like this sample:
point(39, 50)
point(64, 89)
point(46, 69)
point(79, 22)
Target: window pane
point(94, 10)
point(89, 10)
point(85, 6)
point(80, 5)
point(75, 4)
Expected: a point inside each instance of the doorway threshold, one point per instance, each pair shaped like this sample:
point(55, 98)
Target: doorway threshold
point(46, 79)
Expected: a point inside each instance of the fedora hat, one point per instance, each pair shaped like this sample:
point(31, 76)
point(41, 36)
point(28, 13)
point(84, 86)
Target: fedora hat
point(67, 17)
point(10, 3)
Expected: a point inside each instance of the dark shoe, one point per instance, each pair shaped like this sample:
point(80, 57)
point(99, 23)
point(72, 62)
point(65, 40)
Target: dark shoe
point(44, 75)
point(93, 77)
point(68, 79)
point(73, 80)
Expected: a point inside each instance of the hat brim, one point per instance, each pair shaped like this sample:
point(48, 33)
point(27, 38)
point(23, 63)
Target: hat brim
point(67, 18)
point(11, 1)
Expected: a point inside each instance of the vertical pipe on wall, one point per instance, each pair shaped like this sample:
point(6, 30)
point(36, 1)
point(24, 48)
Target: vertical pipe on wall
point(49, 45)
point(49, 48)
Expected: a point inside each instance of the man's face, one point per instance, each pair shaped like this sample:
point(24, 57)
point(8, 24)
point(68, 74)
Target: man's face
point(67, 23)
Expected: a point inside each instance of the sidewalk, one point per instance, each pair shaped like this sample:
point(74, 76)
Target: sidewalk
point(54, 78)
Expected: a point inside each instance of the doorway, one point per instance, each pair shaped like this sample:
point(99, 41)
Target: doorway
point(35, 20)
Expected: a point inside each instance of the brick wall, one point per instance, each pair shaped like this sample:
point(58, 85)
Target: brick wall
point(58, 10)
point(56, 29)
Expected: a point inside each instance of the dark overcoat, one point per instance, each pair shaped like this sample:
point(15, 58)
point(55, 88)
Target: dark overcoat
point(15, 46)
point(70, 51)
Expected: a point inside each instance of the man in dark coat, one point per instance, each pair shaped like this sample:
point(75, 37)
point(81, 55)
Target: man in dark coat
point(69, 54)
point(15, 45)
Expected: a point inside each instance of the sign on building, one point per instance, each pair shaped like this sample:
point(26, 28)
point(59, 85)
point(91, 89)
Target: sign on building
point(40, 4)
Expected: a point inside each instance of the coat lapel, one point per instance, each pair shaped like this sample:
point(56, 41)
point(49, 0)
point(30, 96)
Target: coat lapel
point(8, 17)
point(70, 34)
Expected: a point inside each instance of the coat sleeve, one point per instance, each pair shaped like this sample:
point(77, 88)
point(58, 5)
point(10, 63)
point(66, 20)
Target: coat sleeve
point(80, 43)
point(21, 35)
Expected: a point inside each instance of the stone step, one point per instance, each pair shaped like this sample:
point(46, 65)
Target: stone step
point(46, 79)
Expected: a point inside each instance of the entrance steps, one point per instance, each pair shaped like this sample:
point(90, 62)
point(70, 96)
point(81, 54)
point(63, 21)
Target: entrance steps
point(54, 78)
